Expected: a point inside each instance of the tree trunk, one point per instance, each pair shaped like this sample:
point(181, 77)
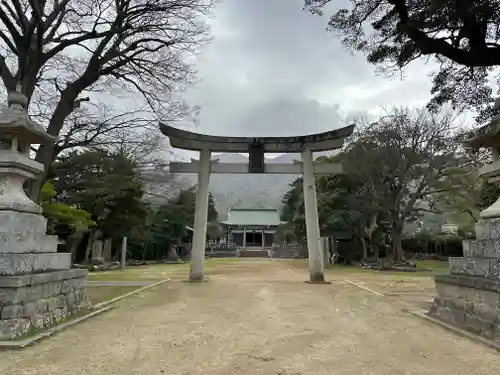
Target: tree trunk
point(88, 249)
point(47, 152)
point(93, 236)
point(369, 246)
point(172, 254)
point(363, 249)
point(397, 245)
point(72, 243)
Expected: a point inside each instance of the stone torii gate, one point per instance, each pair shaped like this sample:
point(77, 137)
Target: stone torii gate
point(256, 148)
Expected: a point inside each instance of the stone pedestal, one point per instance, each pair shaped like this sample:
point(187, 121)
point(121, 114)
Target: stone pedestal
point(37, 286)
point(469, 296)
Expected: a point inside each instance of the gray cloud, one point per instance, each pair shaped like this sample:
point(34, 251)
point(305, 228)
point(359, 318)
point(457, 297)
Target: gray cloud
point(272, 69)
point(294, 116)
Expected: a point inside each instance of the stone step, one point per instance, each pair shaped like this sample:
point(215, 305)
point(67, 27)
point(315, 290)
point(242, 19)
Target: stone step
point(253, 254)
point(482, 248)
point(488, 268)
point(222, 254)
point(22, 264)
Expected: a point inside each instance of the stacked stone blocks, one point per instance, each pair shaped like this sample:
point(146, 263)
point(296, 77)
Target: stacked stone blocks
point(38, 288)
point(469, 296)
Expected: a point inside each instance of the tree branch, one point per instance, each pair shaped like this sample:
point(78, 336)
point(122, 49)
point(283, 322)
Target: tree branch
point(10, 26)
point(7, 77)
point(488, 56)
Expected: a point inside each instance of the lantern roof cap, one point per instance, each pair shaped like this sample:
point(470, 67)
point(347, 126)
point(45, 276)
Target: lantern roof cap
point(16, 122)
point(489, 134)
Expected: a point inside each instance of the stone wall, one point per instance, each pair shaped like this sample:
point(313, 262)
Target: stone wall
point(470, 303)
point(40, 300)
point(222, 253)
point(289, 252)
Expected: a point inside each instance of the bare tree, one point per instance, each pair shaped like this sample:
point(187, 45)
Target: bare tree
point(403, 158)
point(68, 49)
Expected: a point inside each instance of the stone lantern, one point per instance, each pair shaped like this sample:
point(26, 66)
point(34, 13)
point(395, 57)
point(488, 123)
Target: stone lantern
point(37, 285)
point(489, 137)
point(469, 295)
point(17, 133)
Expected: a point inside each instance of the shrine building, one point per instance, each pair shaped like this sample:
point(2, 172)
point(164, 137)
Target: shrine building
point(252, 228)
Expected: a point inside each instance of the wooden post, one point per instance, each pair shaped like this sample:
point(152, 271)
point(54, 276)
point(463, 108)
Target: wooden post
point(124, 253)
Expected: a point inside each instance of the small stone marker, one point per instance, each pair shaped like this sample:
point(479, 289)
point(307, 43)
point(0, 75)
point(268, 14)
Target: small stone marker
point(123, 258)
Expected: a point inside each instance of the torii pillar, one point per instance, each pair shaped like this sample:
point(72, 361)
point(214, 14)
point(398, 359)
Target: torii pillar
point(257, 147)
point(314, 248)
point(200, 218)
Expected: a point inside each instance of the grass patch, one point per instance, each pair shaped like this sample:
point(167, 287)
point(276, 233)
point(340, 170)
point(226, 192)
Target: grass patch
point(32, 331)
point(159, 272)
point(99, 294)
point(216, 261)
point(155, 272)
point(435, 266)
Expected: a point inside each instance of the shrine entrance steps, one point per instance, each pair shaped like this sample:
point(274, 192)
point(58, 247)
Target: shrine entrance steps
point(254, 253)
point(282, 252)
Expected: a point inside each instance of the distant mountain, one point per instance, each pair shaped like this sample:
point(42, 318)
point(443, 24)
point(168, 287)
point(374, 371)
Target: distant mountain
point(247, 190)
point(241, 190)
point(230, 158)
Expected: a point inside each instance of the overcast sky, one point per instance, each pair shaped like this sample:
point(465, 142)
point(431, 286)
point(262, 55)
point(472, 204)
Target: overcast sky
point(272, 69)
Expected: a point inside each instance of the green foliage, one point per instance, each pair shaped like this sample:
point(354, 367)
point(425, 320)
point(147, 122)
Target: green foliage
point(285, 234)
point(103, 191)
point(167, 225)
point(442, 245)
point(103, 184)
point(179, 213)
point(461, 35)
point(293, 209)
point(61, 214)
point(344, 205)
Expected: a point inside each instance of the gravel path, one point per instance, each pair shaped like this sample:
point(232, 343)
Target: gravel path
point(266, 321)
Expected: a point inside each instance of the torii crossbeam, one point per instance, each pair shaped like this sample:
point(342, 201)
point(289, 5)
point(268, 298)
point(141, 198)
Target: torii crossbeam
point(256, 148)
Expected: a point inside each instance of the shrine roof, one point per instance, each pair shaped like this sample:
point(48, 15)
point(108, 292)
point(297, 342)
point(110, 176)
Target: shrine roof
point(183, 139)
point(253, 216)
point(489, 134)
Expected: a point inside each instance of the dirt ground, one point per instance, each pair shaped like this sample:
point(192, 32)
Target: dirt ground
point(258, 317)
